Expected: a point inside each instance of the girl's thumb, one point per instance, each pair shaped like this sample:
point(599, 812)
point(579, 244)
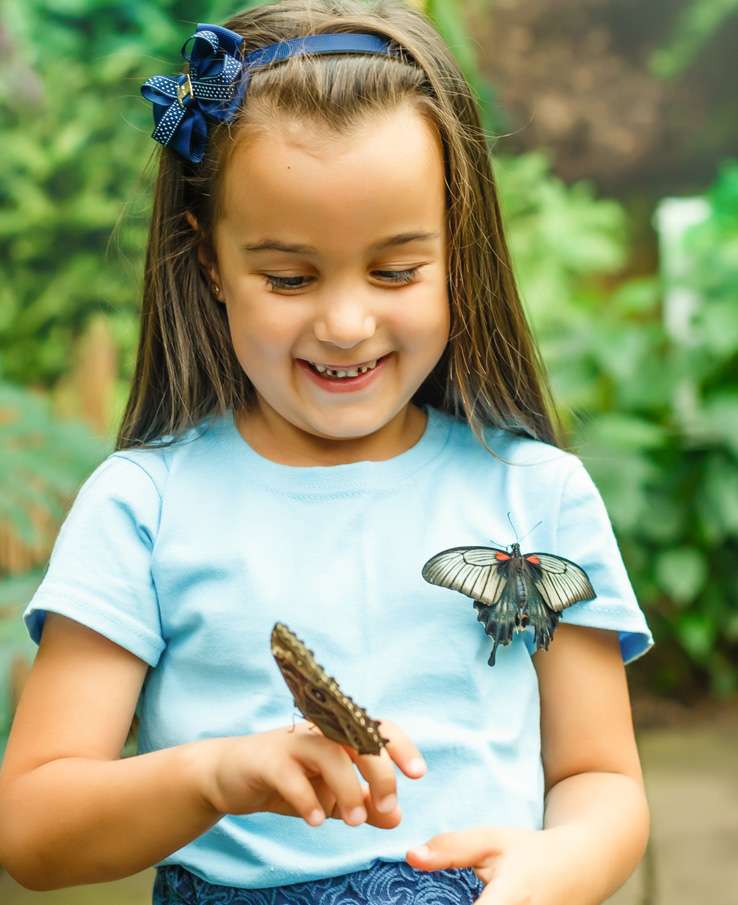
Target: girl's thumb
point(466, 848)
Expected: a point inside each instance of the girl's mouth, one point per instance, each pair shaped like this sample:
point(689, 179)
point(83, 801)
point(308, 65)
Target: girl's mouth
point(343, 384)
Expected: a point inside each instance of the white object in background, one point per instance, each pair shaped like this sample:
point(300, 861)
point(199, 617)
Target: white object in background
point(672, 219)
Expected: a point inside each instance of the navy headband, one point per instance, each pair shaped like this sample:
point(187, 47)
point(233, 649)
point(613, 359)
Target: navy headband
point(217, 76)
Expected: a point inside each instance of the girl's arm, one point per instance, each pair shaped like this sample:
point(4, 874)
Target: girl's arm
point(593, 779)
point(71, 811)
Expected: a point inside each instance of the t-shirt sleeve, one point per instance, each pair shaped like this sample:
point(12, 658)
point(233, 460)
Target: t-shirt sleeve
point(99, 572)
point(585, 536)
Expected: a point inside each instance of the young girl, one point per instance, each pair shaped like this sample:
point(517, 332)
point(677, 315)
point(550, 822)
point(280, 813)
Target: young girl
point(326, 204)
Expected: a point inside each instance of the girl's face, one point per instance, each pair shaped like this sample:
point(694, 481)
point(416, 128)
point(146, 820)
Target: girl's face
point(312, 270)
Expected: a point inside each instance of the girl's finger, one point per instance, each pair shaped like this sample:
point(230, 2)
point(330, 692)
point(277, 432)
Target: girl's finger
point(326, 796)
point(374, 817)
point(379, 771)
point(295, 788)
point(331, 761)
point(399, 748)
point(383, 820)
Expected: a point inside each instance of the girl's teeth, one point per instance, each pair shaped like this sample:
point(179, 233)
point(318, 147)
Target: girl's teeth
point(350, 372)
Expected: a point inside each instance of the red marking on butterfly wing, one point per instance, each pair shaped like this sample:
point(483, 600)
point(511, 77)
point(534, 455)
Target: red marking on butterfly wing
point(501, 555)
point(534, 559)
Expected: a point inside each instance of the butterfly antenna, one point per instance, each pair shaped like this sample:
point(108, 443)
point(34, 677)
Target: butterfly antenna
point(513, 527)
point(532, 529)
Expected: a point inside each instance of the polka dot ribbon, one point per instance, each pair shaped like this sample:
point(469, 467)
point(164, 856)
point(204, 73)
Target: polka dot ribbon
point(209, 87)
point(213, 85)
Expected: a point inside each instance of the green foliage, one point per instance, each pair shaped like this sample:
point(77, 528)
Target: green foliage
point(559, 235)
point(654, 420)
point(43, 461)
point(73, 154)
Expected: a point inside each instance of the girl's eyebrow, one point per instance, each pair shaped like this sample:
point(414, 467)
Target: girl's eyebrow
point(276, 245)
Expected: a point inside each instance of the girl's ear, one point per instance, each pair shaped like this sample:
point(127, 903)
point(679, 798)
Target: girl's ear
point(204, 253)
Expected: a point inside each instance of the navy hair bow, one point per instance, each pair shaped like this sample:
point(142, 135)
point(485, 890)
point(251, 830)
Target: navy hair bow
point(211, 87)
point(215, 81)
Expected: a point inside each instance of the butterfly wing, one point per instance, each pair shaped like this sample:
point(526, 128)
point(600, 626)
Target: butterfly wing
point(559, 581)
point(542, 619)
point(319, 697)
point(316, 703)
point(479, 572)
point(482, 573)
point(500, 620)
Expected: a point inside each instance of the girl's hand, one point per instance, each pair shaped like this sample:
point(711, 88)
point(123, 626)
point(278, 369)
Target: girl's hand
point(297, 771)
point(516, 863)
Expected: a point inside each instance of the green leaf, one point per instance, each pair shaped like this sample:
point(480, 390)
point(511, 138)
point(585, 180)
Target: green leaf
point(623, 432)
point(681, 572)
point(696, 633)
point(720, 491)
point(664, 519)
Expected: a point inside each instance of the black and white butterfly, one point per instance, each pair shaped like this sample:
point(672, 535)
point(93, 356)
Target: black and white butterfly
point(510, 589)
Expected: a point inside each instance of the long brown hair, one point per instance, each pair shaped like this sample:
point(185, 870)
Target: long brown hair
point(491, 372)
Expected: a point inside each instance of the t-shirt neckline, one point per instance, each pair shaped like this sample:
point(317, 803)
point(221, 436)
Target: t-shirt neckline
point(361, 475)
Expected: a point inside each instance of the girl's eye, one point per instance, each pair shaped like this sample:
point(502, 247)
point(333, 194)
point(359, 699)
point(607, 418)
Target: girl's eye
point(282, 282)
point(399, 277)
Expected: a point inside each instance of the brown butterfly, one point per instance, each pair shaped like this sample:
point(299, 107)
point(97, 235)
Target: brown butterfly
point(511, 589)
point(319, 697)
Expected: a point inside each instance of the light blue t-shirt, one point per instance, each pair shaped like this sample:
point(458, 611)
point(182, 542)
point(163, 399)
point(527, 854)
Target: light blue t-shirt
point(188, 555)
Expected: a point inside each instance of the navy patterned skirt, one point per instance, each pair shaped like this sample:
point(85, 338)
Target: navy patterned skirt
point(384, 883)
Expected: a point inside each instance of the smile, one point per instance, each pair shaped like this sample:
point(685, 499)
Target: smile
point(343, 379)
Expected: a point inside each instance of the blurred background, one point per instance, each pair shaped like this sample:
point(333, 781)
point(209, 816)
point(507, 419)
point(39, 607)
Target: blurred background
point(614, 131)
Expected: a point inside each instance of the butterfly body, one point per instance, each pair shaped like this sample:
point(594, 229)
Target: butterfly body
point(510, 589)
point(319, 697)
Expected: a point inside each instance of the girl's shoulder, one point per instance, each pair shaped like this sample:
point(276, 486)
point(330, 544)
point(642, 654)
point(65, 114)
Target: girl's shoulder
point(510, 449)
point(160, 457)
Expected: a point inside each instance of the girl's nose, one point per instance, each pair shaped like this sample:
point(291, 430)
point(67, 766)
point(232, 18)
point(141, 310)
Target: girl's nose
point(344, 322)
